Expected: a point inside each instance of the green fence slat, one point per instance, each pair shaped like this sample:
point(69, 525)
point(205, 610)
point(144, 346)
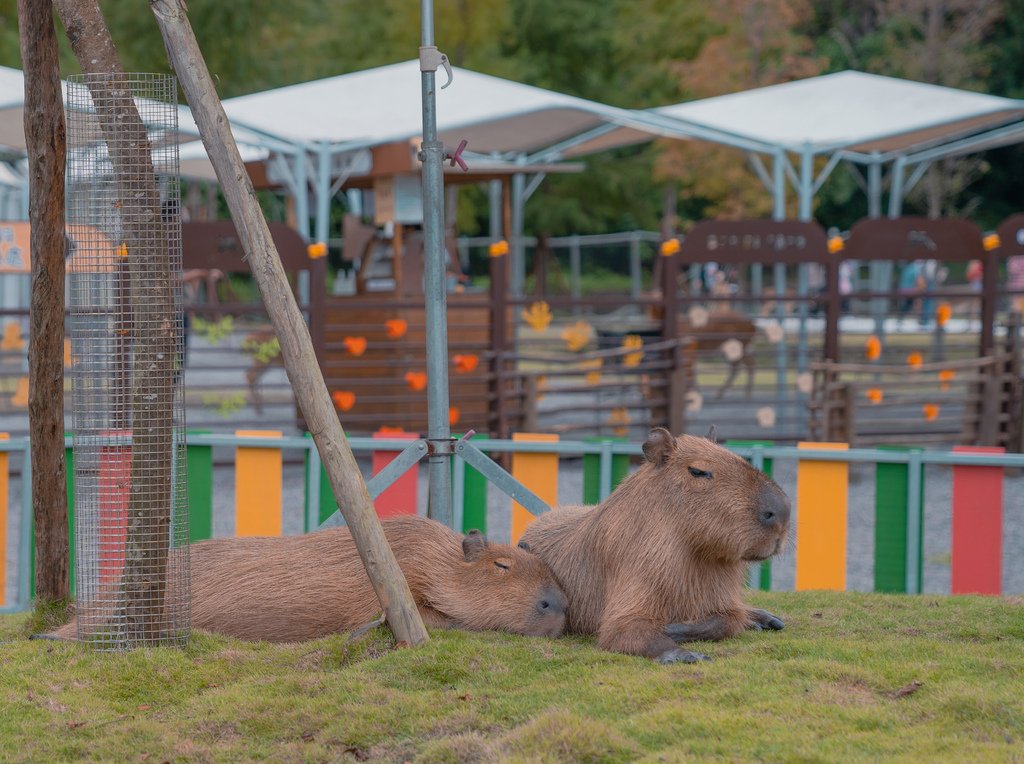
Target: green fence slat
point(199, 463)
point(474, 498)
point(328, 504)
point(592, 471)
point(892, 482)
point(764, 574)
point(69, 474)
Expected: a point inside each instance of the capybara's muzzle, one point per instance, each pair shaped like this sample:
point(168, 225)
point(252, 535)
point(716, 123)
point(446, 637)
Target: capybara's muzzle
point(551, 607)
point(773, 509)
point(551, 602)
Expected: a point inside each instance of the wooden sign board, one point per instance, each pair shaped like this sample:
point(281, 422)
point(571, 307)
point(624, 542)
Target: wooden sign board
point(755, 241)
point(398, 199)
point(914, 238)
point(1011, 235)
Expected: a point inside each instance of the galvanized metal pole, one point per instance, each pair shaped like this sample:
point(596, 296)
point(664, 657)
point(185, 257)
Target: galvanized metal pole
point(779, 271)
point(439, 506)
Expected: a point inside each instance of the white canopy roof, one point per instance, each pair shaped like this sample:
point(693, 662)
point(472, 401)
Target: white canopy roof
point(846, 111)
point(383, 105)
point(850, 110)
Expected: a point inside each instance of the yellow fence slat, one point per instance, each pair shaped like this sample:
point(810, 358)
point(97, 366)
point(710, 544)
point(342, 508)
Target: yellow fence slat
point(539, 473)
point(5, 476)
point(821, 507)
point(258, 487)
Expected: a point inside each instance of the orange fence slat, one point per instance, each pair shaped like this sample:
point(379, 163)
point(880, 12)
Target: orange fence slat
point(539, 473)
point(258, 487)
point(821, 508)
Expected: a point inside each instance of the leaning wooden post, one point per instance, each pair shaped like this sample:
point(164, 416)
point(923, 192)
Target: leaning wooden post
point(296, 348)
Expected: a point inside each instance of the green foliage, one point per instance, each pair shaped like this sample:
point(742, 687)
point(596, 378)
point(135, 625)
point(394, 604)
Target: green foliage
point(213, 331)
point(262, 351)
point(224, 404)
point(853, 677)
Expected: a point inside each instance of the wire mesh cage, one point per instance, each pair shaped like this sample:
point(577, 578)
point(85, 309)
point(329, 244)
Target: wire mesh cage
point(127, 364)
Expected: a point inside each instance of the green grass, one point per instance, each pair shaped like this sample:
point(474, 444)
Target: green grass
point(838, 684)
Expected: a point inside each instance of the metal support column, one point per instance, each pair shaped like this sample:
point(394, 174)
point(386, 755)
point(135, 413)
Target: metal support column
point(779, 213)
point(518, 248)
point(438, 432)
point(494, 211)
point(879, 273)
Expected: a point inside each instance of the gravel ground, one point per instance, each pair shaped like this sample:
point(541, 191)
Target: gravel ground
point(860, 540)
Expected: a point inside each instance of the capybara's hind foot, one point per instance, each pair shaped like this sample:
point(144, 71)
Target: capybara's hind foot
point(676, 655)
point(762, 620)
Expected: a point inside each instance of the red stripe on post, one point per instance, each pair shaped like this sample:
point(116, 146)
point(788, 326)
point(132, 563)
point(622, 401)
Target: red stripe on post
point(401, 497)
point(977, 550)
point(114, 489)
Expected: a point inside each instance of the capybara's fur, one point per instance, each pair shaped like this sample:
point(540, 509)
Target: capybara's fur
point(667, 552)
point(293, 588)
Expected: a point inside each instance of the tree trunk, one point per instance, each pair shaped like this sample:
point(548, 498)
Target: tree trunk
point(44, 139)
point(299, 357)
point(143, 579)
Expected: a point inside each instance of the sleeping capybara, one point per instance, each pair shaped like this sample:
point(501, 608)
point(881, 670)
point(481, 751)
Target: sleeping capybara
point(664, 557)
point(292, 588)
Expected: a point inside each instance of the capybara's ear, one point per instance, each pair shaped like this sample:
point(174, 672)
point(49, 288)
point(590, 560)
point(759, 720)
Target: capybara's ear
point(524, 546)
point(473, 545)
point(713, 434)
point(658, 446)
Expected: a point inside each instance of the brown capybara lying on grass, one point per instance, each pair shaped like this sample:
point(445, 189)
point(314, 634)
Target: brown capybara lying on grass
point(663, 559)
point(292, 588)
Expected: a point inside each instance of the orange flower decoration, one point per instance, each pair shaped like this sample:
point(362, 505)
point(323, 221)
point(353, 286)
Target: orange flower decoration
point(945, 377)
point(316, 250)
point(874, 395)
point(930, 410)
point(416, 380)
point(873, 348)
point(632, 342)
point(122, 250)
point(577, 336)
point(390, 430)
point(538, 316)
point(593, 378)
point(943, 313)
point(453, 415)
point(344, 400)
point(669, 247)
point(464, 364)
point(396, 328)
point(990, 242)
point(914, 360)
point(836, 244)
point(498, 248)
point(355, 345)
point(619, 419)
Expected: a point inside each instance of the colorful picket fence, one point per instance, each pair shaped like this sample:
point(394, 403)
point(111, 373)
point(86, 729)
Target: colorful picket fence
point(822, 486)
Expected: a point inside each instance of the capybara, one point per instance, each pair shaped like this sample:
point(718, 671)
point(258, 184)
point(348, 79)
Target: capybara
point(292, 588)
point(664, 557)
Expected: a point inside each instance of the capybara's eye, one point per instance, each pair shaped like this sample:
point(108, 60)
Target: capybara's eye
point(502, 565)
point(700, 473)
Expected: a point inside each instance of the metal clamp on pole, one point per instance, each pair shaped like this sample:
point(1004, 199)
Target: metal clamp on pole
point(431, 58)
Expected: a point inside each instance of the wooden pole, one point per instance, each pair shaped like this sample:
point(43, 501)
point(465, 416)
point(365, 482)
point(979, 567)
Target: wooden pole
point(45, 143)
point(297, 349)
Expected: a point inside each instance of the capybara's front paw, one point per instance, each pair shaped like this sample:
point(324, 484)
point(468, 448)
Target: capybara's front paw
point(675, 655)
point(762, 620)
point(711, 629)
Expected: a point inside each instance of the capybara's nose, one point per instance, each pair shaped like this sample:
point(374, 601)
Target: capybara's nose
point(773, 509)
point(551, 602)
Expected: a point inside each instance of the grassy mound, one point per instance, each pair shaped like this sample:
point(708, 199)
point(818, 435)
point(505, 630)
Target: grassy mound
point(852, 677)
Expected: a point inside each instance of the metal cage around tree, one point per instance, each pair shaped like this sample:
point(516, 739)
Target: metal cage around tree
point(124, 264)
